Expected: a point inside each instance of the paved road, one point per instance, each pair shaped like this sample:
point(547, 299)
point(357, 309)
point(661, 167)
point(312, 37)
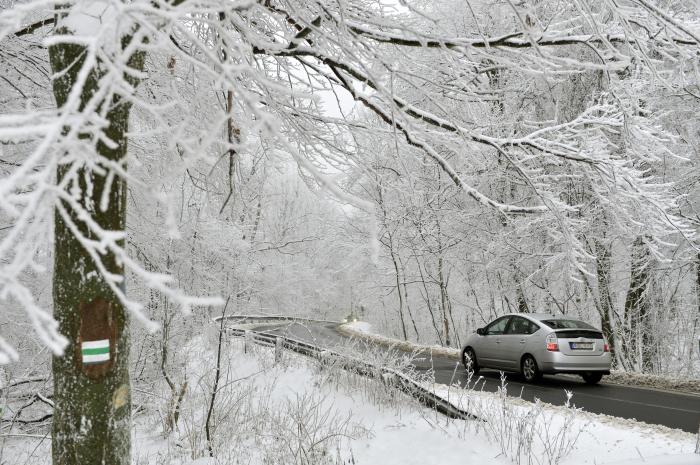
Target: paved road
point(670, 409)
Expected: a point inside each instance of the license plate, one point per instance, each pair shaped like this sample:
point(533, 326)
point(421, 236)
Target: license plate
point(581, 345)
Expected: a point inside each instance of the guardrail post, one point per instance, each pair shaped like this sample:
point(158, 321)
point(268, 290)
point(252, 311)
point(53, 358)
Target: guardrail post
point(247, 341)
point(279, 346)
point(389, 379)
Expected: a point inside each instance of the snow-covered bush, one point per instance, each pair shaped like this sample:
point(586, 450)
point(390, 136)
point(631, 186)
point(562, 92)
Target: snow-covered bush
point(527, 433)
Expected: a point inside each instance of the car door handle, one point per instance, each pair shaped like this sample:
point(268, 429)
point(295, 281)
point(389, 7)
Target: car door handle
point(522, 341)
point(498, 341)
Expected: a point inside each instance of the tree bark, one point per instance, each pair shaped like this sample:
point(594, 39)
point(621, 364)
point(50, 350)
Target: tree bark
point(637, 306)
point(443, 303)
point(217, 377)
point(603, 255)
point(92, 415)
point(444, 300)
point(696, 320)
point(398, 288)
point(408, 309)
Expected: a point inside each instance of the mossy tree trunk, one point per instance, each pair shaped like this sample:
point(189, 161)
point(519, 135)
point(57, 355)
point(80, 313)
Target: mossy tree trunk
point(92, 416)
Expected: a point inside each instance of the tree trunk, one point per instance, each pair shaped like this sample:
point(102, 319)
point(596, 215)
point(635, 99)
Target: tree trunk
point(603, 255)
point(696, 322)
point(427, 298)
point(636, 307)
point(92, 414)
point(398, 288)
point(522, 303)
point(406, 302)
point(390, 246)
point(408, 309)
point(443, 303)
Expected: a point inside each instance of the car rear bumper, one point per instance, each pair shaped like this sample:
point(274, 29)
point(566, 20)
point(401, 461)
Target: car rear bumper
point(556, 362)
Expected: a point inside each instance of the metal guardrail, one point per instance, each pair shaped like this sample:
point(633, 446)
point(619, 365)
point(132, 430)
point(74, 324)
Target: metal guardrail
point(388, 376)
point(243, 318)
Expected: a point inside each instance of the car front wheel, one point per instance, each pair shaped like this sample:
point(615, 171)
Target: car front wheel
point(529, 369)
point(592, 378)
point(469, 360)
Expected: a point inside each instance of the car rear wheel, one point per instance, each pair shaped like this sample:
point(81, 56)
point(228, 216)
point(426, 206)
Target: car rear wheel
point(529, 369)
point(592, 378)
point(469, 360)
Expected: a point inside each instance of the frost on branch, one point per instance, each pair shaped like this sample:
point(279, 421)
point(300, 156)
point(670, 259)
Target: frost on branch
point(221, 80)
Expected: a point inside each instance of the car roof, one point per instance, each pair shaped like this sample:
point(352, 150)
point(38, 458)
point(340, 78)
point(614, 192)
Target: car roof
point(543, 316)
point(539, 317)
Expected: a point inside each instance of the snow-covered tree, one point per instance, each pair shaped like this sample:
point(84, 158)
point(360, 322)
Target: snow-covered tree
point(472, 99)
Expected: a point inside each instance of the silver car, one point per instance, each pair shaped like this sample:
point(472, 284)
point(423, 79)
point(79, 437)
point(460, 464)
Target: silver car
point(536, 343)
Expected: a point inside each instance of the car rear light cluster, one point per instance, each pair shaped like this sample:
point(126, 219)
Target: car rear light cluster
point(552, 343)
point(606, 347)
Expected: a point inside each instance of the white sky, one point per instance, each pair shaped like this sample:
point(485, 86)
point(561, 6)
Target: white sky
point(330, 103)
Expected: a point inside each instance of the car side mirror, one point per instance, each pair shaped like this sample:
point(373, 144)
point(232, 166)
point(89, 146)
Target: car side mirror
point(480, 331)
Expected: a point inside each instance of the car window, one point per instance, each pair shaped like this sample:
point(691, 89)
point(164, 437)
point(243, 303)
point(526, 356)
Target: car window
point(567, 324)
point(498, 326)
point(534, 327)
point(520, 325)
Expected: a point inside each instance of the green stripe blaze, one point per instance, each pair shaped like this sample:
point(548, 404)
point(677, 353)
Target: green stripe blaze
point(96, 351)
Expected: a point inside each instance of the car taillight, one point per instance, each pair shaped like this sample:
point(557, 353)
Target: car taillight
point(606, 347)
point(552, 343)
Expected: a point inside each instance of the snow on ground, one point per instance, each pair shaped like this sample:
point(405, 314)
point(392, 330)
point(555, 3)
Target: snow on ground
point(363, 330)
point(386, 427)
point(599, 439)
point(301, 411)
point(389, 428)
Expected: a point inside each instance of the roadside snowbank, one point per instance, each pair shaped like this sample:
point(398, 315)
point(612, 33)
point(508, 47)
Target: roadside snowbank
point(363, 330)
point(599, 439)
point(667, 383)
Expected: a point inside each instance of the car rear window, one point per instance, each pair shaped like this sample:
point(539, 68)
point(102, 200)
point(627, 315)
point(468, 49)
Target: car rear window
point(576, 333)
point(567, 324)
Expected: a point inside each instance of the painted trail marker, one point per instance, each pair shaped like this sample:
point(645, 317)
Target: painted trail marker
point(95, 351)
point(96, 348)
